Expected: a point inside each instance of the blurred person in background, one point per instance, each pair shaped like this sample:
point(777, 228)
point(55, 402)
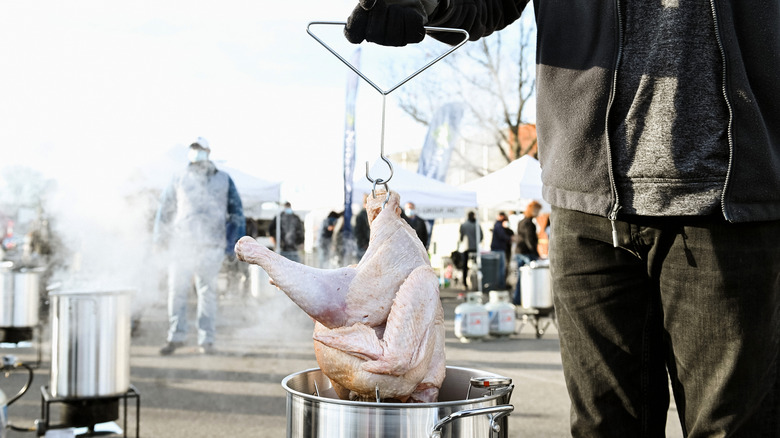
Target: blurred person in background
point(468, 231)
point(527, 237)
point(198, 222)
point(527, 242)
point(501, 240)
point(325, 243)
point(291, 233)
point(361, 229)
point(417, 223)
point(659, 140)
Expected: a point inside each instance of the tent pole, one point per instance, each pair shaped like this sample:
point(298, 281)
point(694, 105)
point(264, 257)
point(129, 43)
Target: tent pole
point(479, 252)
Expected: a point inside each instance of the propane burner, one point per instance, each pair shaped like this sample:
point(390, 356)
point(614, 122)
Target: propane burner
point(15, 335)
point(87, 411)
point(18, 335)
point(90, 360)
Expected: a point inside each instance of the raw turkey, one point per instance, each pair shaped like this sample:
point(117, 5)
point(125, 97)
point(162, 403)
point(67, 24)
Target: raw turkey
point(379, 325)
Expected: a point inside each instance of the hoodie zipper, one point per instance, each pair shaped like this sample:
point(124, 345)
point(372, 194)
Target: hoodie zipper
point(719, 40)
point(612, 216)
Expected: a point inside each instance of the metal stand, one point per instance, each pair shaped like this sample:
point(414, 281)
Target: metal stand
point(535, 316)
point(47, 399)
point(17, 335)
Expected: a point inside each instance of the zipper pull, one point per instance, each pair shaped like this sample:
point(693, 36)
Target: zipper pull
point(612, 218)
point(614, 234)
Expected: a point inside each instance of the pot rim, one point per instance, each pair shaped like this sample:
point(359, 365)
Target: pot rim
point(376, 405)
point(78, 292)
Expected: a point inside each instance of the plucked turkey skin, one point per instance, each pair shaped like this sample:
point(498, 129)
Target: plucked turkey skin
point(379, 325)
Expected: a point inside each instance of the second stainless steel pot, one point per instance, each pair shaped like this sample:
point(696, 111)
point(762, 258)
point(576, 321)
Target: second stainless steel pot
point(19, 296)
point(535, 291)
point(90, 354)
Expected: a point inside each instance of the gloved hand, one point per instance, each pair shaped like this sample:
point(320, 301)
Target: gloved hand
point(387, 25)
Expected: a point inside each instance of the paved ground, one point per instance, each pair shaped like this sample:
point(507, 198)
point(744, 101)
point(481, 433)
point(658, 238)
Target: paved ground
point(238, 393)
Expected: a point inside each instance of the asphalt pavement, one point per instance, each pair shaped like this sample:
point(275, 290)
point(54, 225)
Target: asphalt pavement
point(237, 392)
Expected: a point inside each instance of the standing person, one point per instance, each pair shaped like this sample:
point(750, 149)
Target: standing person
point(527, 240)
point(291, 232)
point(659, 142)
point(362, 230)
point(511, 234)
point(325, 244)
point(468, 231)
point(198, 222)
point(417, 223)
point(527, 237)
point(501, 240)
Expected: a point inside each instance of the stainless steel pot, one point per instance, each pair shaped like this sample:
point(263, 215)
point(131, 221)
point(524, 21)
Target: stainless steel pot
point(19, 296)
point(535, 291)
point(472, 404)
point(90, 348)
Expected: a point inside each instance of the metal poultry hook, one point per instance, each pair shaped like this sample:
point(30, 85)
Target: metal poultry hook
point(384, 93)
point(384, 158)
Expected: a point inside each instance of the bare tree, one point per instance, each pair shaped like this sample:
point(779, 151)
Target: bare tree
point(494, 78)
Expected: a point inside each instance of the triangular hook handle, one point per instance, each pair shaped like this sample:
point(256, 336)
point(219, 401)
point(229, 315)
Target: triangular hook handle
point(405, 80)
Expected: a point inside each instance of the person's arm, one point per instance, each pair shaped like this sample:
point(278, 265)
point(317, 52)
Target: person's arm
point(401, 22)
point(236, 222)
point(479, 18)
point(164, 216)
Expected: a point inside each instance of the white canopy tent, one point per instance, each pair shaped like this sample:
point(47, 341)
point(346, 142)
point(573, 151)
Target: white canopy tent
point(432, 199)
point(254, 191)
point(511, 187)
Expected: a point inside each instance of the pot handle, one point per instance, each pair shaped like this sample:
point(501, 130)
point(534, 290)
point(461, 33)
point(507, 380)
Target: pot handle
point(499, 411)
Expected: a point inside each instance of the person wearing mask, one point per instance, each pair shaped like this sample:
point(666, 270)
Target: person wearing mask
point(291, 233)
point(417, 223)
point(362, 230)
point(659, 142)
point(468, 231)
point(199, 220)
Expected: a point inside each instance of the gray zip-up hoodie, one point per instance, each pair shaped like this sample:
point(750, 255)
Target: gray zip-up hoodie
point(579, 45)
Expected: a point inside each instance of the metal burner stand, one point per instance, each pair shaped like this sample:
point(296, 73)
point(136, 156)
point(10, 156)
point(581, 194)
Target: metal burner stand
point(534, 316)
point(17, 335)
point(47, 399)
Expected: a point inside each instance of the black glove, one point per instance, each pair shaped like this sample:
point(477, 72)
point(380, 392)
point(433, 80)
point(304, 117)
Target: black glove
point(376, 22)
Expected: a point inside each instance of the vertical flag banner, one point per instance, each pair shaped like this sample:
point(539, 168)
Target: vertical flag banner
point(440, 140)
point(349, 142)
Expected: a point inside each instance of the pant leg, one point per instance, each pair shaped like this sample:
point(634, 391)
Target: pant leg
point(180, 274)
point(610, 329)
point(206, 285)
point(466, 255)
point(720, 286)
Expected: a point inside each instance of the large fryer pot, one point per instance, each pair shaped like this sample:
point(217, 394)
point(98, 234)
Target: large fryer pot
point(19, 296)
point(466, 409)
point(535, 290)
point(90, 348)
